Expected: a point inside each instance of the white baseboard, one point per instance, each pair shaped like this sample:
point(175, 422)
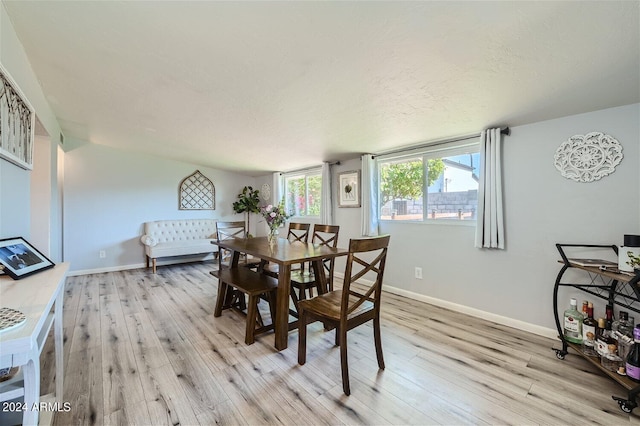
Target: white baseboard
point(137, 266)
point(499, 319)
point(108, 269)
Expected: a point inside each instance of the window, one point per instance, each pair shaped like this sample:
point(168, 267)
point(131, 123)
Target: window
point(431, 185)
point(303, 192)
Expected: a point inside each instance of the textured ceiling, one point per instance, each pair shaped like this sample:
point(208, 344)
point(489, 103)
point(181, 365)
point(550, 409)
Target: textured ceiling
point(263, 86)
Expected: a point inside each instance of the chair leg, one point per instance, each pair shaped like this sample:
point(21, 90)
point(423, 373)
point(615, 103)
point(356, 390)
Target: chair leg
point(302, 337)
point(378, 341)
point(147, 262)
point(252, 309)
point(344, 362)
point(153, 262)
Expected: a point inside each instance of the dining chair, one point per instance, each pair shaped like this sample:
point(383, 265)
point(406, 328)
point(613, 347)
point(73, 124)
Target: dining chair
point(297, 232)
point(226, 230)
point(351, 306)
point(302, 281)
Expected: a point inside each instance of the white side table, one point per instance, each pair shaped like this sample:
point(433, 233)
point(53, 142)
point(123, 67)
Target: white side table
point(40, 298)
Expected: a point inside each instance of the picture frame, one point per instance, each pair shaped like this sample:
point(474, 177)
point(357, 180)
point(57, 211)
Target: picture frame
point(349, 189)
point(20, 259)
point(17, 123)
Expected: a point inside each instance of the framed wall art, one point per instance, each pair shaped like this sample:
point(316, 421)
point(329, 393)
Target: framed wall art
point(17, 123)
point(20, 259)
point(349, 186)
point(197, 193)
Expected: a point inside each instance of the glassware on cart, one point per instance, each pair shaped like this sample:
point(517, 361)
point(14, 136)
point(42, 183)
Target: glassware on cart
point(612, 362)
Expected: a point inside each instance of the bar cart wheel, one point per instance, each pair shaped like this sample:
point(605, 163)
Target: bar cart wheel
point(625, 405)
point(560, 354)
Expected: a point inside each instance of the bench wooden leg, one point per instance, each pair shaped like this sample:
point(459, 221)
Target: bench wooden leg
point(222, 295)
point(252, 312)
point(153, 261)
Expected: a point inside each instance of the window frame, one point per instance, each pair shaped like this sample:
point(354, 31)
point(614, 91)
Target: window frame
point(306, 173)
point(443, 150)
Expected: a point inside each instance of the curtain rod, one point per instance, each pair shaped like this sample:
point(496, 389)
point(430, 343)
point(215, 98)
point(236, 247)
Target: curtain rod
point(503, 131)
point(306, 169)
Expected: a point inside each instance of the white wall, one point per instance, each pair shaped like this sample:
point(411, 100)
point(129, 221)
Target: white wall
point(15, 183)
point(41, 196)
point(109, 194)
point(15, 205)
point(542, 208)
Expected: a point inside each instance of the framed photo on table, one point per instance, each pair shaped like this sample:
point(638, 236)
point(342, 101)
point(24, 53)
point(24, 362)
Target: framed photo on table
point(349, 186)
point(20, 259)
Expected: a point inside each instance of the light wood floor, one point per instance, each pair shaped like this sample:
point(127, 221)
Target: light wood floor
point(145, 349)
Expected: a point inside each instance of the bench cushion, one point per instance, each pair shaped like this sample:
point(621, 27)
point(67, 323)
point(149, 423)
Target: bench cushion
point(179, 248)
point(166, 231)
point(165, 238)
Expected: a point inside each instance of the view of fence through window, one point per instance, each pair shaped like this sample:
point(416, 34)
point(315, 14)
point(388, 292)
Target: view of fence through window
point(303, 193)
point(451, 188)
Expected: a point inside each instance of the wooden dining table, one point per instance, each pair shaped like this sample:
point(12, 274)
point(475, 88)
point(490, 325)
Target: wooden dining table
point(284, 253)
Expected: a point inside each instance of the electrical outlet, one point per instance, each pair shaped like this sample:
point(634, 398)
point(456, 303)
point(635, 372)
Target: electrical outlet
point(418, 273)
point(103, 254)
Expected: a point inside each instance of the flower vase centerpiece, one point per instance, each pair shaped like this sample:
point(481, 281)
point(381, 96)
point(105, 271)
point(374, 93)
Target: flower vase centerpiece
point(275, 216)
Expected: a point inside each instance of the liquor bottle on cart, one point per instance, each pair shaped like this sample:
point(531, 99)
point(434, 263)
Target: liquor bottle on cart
point(573, 323)
point(589, 327)
point(633, 359)
point(622, 326)
point(605, 343)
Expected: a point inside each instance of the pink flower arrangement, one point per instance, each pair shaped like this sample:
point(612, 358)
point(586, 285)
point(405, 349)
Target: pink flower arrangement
point(275, 216)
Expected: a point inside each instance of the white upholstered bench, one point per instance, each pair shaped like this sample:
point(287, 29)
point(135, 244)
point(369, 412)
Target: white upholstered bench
point(167, 238)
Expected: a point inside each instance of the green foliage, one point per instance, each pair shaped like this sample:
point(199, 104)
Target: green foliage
point(435, 167)
point(634, 261)
point(248, 201)
point(303, 195)
point(400, 181)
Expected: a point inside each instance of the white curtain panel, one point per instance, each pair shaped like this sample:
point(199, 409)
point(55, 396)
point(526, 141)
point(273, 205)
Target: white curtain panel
point(490, 222)
point(277, 189)
point(369, 188)
point(326, 208)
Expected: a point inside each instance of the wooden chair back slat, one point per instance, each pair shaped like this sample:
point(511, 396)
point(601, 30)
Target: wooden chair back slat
point(298, 232)
point(327, 235)
point(225, 231)
point(375, 266)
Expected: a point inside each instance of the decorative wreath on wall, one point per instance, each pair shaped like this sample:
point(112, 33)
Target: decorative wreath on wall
point(585, 158)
